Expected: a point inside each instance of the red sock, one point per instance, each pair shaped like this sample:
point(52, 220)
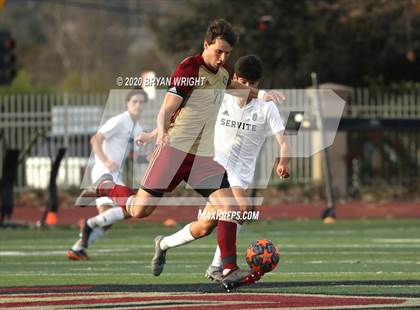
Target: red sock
point(104, 187)
point(118, 193)
point(226, 239)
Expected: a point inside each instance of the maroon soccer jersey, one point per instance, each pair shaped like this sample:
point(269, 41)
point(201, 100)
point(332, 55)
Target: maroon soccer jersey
point(202, 89)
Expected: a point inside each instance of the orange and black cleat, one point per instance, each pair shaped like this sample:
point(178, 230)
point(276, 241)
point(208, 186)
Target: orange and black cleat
point(77, 255)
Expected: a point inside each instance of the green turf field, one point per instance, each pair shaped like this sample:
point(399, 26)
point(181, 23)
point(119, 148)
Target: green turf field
point(349, 257)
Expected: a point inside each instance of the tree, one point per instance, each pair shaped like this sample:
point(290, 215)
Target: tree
point(85, 45)
point(347, 41)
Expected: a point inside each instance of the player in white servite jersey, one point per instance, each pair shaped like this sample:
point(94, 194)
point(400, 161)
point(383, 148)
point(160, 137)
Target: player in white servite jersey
point(241, 130)
point(110, 145)
point(242, 126)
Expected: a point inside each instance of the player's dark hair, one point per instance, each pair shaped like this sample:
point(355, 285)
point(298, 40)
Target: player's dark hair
point(222, 29)
point(249, 67)
point(135, 92)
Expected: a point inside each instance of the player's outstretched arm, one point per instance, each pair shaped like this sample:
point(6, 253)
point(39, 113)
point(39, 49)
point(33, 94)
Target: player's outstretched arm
point(170, 105)
point(240, 90)
point(283, 170)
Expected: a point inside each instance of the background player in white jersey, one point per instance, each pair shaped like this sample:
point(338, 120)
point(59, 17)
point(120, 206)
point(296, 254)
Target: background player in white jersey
point(111, 145)
point(242, 127)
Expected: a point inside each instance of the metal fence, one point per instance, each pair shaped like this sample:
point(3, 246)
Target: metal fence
point(367, 103)
point(389, 158)
point(38, 124)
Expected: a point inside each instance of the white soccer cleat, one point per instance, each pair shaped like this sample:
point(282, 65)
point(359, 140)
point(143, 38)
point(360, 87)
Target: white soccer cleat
point(214, 273)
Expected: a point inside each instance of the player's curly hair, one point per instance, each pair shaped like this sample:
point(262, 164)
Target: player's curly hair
point(249, 67)
point(222, 29)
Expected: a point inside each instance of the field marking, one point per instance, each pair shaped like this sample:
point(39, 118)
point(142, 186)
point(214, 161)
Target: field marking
point(397, 240)
point(189, 251)
point(289, 262)
point(356, 262)
point(201, 246)
point(201, 273)
point(351, 252)
point(233, 300)
point(314, 246)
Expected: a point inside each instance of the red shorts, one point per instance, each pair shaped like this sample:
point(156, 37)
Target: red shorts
point(169, 166)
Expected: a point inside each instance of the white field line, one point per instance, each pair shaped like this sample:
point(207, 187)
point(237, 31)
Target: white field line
point(102, 274)
point(115, 252)
point(395, 240)
point(206, 246)
point(342, 232)
point(288, 262)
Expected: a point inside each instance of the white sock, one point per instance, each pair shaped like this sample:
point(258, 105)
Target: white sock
point(106, 218)
point(96, 234)
point(217, 259)
point(181, 237)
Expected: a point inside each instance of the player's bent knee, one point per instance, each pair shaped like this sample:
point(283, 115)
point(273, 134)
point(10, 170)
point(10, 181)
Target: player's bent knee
point(138, 208)
point(201, 229)
point(141, 211)
point(207, 229)
point(143, 204)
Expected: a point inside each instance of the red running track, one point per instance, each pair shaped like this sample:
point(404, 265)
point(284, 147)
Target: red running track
point(353, 210)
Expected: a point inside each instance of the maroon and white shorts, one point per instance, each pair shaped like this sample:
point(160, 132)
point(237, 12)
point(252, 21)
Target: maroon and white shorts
point(169, 166)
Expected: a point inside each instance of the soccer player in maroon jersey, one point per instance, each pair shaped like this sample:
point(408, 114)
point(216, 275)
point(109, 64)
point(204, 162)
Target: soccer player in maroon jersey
point(185, 149)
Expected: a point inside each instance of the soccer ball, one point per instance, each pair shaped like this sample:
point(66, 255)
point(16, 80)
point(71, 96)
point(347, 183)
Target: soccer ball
point(262, 256)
